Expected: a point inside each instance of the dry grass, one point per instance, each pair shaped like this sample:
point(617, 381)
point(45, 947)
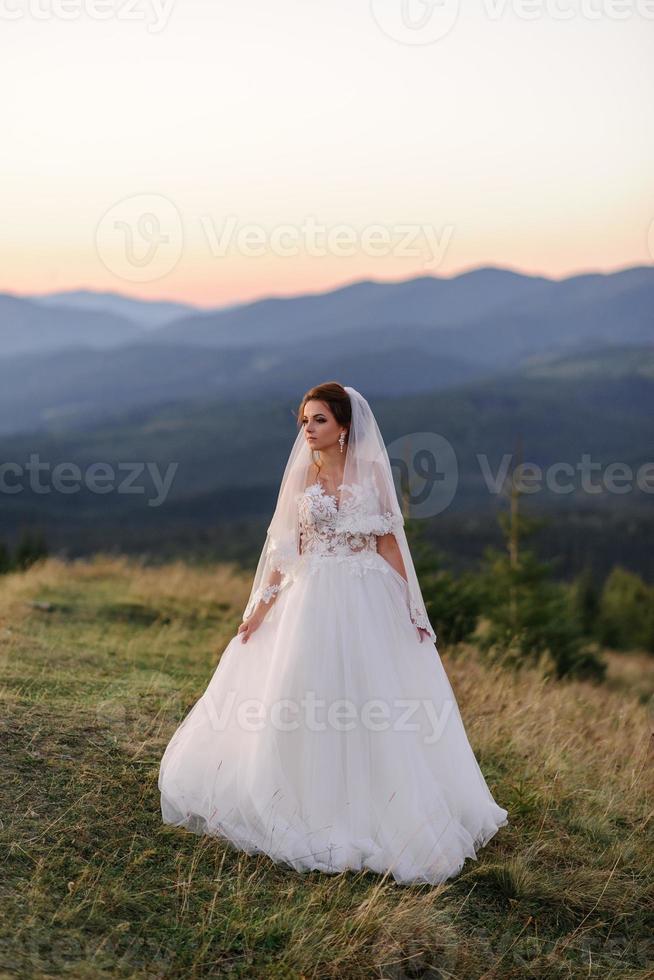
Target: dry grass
point(95, 681)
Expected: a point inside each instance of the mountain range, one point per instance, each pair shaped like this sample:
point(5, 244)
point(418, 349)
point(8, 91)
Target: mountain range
point(222, 415)
point(77, 360)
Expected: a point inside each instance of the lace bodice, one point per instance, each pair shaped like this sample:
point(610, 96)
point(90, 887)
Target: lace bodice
point(344, 531)
point(320, 535)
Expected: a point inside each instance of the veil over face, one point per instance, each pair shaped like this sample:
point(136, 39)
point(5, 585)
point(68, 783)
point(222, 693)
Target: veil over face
point(368, 504)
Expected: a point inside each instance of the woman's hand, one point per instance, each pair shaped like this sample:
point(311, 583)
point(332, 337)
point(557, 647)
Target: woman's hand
point(248, 626)
point(423, 633)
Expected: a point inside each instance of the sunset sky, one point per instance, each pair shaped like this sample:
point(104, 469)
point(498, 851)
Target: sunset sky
point(217, 152)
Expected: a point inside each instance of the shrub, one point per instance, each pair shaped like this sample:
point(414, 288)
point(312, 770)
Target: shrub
point(626, 618)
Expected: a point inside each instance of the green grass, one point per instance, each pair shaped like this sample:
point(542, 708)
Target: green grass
point(94, 885)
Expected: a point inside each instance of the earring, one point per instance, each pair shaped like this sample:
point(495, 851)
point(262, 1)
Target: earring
point(341, 439)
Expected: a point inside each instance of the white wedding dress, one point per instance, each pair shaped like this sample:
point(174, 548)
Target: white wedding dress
point(332, 739)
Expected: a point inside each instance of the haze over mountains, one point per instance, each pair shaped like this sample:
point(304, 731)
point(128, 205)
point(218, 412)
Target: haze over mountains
point(149, 313)
point(226, 460)
point(74, 360)
point(484, 359)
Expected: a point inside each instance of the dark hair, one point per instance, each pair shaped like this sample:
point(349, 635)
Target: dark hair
point(334, 395)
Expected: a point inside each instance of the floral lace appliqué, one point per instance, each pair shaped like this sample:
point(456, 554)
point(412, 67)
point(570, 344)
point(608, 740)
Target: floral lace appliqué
point(345, 532)
point(269, 592)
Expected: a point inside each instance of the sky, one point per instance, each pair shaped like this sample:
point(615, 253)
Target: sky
point(216, 152)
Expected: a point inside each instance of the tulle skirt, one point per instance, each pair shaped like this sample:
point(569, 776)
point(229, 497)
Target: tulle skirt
point(332, 739)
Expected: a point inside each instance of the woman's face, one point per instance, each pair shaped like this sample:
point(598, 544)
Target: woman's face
point(321, 430)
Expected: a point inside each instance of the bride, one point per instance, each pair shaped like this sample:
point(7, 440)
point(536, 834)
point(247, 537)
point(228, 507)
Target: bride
point(329, 737)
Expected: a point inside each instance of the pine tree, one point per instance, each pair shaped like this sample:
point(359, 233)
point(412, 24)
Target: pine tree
point(585, 602)
point(627, 611)
point(529, 619)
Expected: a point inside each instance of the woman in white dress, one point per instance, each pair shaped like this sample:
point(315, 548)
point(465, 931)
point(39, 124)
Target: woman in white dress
point(329, 737)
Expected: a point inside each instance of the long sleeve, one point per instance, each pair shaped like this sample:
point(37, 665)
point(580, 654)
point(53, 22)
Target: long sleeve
point(275, 569)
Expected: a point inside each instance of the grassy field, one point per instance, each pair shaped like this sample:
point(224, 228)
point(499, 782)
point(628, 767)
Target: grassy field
point(101, 660)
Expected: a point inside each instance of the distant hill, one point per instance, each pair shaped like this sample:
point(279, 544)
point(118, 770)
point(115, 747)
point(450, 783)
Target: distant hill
point(392, 339)
point(493, 314)
point(29, 327)
point(427, 301)
point(78, 388)
point(230, 456)
point(148, 313)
